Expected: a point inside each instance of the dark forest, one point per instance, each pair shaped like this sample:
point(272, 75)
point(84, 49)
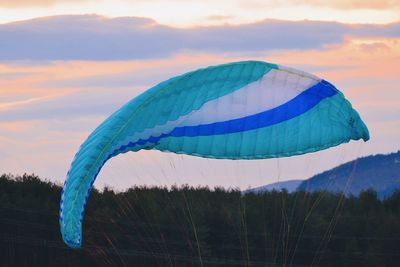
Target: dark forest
point(198, 226)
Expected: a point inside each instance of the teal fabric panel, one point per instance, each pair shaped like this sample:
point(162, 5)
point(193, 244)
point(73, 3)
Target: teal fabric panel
point(332, 122)
point(165, 102)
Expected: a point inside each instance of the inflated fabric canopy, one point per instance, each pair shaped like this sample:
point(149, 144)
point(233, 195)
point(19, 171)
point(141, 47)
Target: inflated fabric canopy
point(241, 110)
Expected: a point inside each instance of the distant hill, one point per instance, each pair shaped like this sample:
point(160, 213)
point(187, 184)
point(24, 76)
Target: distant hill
point(379, 172)
point(290, 186)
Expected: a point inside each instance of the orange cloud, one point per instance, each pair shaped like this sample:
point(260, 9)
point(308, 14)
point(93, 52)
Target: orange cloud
point(357, 4)
point(17, 126)
point(10, 105)
point(357, 65)
point(355, 58)
point(365, 69)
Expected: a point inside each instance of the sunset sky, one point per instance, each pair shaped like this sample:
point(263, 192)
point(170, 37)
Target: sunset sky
point(66, 65)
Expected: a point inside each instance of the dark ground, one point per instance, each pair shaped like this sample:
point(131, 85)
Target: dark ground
point(199, 227)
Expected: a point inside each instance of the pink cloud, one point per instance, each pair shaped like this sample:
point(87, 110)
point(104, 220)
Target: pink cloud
point(46, 133)
point(352, 4)
point(33, 3)
point(335, 4)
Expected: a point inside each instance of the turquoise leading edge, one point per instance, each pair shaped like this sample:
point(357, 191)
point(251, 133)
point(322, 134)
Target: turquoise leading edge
point(240, 110)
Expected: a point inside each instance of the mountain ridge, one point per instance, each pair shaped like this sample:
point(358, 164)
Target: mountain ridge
point(380, 172)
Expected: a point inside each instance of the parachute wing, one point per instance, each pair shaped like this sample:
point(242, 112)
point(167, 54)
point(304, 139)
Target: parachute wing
point(241, 110)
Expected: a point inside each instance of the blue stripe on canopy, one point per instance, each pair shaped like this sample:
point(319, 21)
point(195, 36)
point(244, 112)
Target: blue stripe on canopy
point(293, 108)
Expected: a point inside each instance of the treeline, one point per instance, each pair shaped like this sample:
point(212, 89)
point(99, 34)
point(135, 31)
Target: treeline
point(187, 226)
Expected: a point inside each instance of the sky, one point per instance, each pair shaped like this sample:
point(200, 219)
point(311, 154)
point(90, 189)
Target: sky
point(66, 65)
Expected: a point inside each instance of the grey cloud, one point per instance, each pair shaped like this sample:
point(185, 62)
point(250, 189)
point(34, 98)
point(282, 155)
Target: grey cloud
point(92, 37)
point(119, 80)
point(102, 102)
point(143, 77)
point(14, 75)
point(147, 78)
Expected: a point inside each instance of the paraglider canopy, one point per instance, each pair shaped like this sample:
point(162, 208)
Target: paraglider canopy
point(240, 110)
